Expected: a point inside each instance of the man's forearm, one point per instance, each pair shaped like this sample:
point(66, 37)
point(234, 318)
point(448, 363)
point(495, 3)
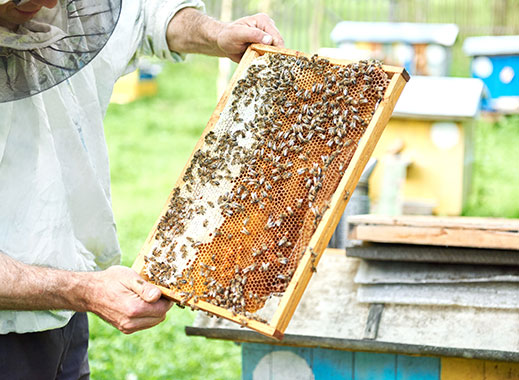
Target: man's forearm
point(118, 295)
point(191, 31)
point(28, 287)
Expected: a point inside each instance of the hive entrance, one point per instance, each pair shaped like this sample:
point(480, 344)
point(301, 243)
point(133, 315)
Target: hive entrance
point(260, 182)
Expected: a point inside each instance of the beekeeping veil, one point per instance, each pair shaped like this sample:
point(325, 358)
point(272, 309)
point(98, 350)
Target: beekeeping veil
point(54, 45)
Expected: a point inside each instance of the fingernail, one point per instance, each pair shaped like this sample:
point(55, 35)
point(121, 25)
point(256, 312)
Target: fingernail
point(152, 292)
point(267, 39)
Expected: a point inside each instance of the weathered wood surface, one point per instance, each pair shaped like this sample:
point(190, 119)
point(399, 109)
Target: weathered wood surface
point(398, 273)
point(495, 233)
point(462, 222)
point(433, 254)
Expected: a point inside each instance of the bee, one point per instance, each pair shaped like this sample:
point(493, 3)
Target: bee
point(283, 260)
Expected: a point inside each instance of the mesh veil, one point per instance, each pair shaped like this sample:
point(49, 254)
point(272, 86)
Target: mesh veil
point(53, 46)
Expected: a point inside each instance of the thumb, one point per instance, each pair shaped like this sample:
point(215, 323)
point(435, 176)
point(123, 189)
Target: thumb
point(148, 292)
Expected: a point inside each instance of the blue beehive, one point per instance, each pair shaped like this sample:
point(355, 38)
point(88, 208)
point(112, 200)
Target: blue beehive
point(496, 62)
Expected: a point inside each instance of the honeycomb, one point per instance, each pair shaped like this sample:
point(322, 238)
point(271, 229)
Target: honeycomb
point(256, 189)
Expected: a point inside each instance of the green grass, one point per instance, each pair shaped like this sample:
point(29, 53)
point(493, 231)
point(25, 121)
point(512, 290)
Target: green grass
point(149, 142)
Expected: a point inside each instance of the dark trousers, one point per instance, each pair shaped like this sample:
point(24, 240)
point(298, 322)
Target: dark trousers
point(47, 355)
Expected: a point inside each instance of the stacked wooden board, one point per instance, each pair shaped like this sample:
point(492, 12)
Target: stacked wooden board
point(459, 261)
point(470, 232)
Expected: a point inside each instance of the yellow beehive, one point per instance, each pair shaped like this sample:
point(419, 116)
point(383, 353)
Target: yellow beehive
point(131, 87)
point(433, 124)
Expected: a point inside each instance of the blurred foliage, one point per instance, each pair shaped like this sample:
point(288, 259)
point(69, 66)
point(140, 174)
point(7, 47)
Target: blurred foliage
point(495, 177)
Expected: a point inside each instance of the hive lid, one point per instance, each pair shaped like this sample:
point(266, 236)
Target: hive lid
point(390, 32)
point(491, 45)
point(440, 98)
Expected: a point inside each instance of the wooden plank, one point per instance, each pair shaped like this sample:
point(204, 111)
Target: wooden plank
point(416, 367)
point(332, 364)
point(338, 203)
point(495, 224)
point(436, 236)
point(372, 366)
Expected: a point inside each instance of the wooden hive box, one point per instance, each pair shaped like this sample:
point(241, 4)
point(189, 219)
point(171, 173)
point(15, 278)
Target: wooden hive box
point(260, 197)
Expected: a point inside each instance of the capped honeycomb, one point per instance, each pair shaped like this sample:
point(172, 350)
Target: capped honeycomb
point(261, 180)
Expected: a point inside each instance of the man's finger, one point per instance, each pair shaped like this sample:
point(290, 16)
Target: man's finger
point(266, 24)
point(244, 35)
point(143, 309)
point(137, 324)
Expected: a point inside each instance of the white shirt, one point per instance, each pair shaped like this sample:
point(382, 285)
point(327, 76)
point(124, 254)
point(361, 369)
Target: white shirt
point(55, 207)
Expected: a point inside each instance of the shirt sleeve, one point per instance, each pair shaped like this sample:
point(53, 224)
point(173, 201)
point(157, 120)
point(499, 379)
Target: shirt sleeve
point(157, 15)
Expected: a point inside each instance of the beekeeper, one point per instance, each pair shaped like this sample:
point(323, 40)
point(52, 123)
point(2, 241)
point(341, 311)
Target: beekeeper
point(59, 60)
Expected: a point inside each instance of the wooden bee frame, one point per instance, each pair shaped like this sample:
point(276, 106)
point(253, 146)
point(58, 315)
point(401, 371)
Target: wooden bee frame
point(276, 326)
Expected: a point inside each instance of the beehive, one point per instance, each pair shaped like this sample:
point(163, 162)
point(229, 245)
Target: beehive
point(257, 202)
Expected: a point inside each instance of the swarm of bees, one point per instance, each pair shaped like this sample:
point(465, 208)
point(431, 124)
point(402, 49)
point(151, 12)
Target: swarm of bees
point(254, 193)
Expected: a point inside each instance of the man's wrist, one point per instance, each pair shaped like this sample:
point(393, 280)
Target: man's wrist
point(82, 290)
point(213, 30)
point(191, 31)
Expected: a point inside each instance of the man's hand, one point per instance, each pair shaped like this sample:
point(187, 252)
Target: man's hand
point(190, 31)
point(118, 294)
point(234, 38)
point(122, 298)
